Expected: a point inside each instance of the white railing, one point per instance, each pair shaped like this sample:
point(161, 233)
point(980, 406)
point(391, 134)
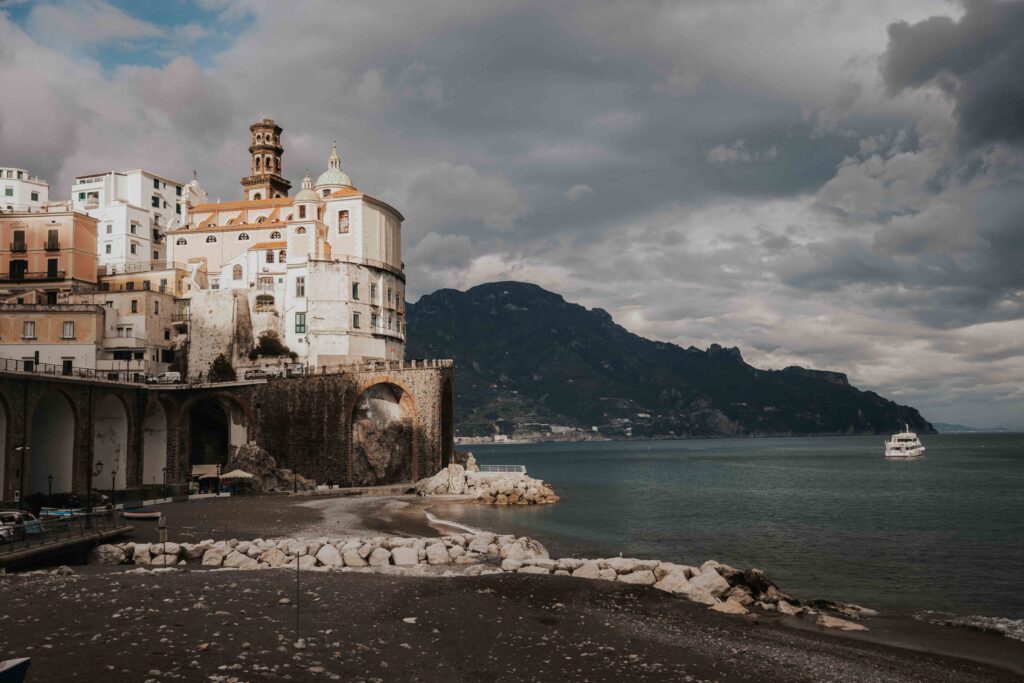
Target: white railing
point(505, 469)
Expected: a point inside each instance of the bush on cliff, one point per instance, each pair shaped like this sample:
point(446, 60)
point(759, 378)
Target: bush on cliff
point(270, 344)
point(221, 370)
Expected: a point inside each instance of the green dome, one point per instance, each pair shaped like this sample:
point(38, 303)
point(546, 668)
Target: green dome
point(333, 176)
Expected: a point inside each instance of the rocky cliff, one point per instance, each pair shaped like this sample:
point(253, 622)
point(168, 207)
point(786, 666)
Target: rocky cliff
point(526, 355)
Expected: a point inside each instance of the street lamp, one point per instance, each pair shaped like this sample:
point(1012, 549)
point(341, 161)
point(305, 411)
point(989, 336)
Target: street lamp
point(22, 449)
point(49, 490)
point(113, 487)
point(165, 482)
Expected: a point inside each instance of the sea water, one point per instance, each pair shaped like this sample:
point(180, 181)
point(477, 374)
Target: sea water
point(825, 517)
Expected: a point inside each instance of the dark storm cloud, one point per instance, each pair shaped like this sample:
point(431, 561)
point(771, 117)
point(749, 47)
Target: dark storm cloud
point(978, 60)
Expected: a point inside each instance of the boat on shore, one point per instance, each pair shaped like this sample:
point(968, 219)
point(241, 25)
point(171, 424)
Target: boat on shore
point(144, 514)
point(904, 445)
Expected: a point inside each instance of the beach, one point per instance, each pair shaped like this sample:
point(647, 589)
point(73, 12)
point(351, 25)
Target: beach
point(187, 623)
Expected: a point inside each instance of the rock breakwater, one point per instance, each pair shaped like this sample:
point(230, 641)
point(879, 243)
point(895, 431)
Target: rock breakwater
point(719, 586)
point(488, 488)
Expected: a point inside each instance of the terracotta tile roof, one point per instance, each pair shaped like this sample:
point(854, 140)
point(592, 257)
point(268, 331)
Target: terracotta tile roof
point(244, 204)
point(345, 192)
point(269, 245)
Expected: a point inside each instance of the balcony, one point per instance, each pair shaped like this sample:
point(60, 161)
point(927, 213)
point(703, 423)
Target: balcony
point(37, 276)
point(52, 245)
point(19, 247)
point(124, 342)
point(180, 317)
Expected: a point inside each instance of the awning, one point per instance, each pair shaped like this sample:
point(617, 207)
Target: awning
point(205, 471)
point(237, 474)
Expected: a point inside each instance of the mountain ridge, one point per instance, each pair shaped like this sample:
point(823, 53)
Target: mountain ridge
point(525, 355)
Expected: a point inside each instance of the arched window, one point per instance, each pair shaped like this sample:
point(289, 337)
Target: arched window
point(276, 235)
point(261, 219)
point(181, 242)
point(257, 196)
point(257, 164)
point(282, 256)
point(236, 272)
point(243, 236)
point(302, 212)
point(326, 191)
point(343, 221)
point(211, 238)
point(300, 230)
point(270, 257)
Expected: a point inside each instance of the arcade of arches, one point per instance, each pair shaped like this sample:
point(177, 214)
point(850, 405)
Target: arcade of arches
point(367, 427)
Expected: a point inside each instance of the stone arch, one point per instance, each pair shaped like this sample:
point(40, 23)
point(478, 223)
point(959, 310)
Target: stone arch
point(52, 444)
point(447, 423)
point(155, 428)
point(218, 425)
point(383, 439)
point(110, 419)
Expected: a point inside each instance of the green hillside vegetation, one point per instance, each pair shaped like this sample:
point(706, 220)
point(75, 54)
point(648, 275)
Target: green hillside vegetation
point(525, 355)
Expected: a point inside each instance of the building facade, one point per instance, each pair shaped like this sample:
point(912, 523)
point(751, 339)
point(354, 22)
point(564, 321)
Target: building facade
point(135, 209)
point(322, 270)
point(52, 249)
point(22, 191)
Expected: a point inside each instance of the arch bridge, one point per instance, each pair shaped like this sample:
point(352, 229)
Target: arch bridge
point(381, 423)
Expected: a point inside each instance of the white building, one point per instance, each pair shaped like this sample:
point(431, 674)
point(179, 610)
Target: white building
point(322, 270)
point(134, 210)
point(22, 191)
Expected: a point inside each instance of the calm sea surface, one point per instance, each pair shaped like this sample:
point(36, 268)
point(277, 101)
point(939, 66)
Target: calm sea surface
point(825, 517)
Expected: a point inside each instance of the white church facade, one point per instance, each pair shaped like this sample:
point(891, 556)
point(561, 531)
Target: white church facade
point(322, 270)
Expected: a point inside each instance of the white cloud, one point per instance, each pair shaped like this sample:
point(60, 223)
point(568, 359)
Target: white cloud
point(87, 23)
point(737, 152)
point(578, 191)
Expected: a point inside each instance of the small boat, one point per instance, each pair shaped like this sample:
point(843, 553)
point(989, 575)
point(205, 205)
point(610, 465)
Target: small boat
point(47, 513)
point(904, 445)
point(152, 515)
point(14, 670)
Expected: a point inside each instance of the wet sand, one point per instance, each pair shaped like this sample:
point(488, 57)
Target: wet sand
point(104, 625)
point(276, 515)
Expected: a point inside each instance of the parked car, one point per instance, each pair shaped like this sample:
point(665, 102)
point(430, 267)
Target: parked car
point(16, 524)
point(256, 373)
point(165, 378)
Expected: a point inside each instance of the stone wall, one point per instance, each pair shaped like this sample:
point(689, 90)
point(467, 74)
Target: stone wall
point(305, 423)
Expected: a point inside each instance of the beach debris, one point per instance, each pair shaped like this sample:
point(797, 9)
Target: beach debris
point(837, 623)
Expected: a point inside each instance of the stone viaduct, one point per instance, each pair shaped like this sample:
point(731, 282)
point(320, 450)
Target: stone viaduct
point(381, 422)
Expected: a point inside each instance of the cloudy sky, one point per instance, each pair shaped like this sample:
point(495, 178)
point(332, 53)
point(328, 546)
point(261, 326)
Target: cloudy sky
point(830, 183)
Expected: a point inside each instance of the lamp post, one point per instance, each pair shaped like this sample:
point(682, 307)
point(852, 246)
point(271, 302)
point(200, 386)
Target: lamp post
point(165, 482)
point(49, 490)
point(113, 487)
point(22, 449)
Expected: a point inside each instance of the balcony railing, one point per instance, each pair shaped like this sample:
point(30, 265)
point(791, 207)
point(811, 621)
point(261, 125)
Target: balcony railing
point(45, 275)
point(180, 317)
point(19, 246)
point(15, 365)
point(52, 245)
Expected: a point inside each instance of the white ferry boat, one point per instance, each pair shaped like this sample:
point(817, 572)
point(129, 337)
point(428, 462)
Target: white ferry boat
point(904, 445)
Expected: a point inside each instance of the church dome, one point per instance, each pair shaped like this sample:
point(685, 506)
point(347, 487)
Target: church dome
point(334, 175)
point(307, 194)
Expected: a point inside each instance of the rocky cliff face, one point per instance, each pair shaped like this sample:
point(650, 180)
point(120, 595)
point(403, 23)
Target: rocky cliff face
point(525, 354)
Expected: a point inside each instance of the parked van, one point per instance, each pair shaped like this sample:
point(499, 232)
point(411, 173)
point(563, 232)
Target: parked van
point(165, 378)
point(256, 373)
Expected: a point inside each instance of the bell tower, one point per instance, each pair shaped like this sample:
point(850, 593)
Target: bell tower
point(265, 149)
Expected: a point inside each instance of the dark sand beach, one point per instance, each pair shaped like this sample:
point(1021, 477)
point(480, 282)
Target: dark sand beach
point(103, 624)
